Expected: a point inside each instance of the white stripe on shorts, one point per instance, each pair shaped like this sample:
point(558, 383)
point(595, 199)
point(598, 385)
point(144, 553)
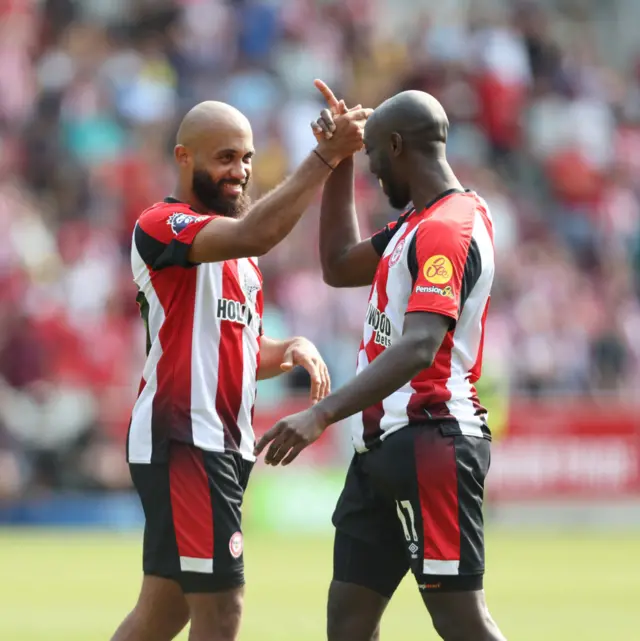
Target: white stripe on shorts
point(191, 564)
point(432, 566)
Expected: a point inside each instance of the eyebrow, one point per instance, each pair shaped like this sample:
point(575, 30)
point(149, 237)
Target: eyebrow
point(224, 152)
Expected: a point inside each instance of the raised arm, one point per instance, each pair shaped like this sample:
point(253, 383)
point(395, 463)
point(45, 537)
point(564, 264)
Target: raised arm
point(272, 218)
point(347, 260)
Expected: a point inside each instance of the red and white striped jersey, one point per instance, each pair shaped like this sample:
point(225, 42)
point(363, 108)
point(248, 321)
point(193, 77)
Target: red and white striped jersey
point(204, 324)
point(440, 260)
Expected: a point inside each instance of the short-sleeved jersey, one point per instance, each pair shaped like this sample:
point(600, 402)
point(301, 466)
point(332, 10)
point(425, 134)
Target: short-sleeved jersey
point(440, 260)
point(203, 326)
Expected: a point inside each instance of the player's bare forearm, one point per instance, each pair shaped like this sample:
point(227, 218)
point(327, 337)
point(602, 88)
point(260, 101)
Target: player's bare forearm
point(272, 353)
point(277, 357)
point(346, 260)
point(339, 229)
point(273, 217)
point(268, 221)
point(413, 352)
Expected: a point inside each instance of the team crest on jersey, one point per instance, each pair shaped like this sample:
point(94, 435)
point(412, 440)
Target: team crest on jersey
point(397, 252)
point(236, 545)
point(179, 221)
point(438, 269)
point(250, 288)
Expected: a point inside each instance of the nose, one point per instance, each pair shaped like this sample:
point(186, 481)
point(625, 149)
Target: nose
point(239, 171)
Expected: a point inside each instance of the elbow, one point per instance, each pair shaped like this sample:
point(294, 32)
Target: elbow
point(335, 272)
point(331, 278)
point(423, 353)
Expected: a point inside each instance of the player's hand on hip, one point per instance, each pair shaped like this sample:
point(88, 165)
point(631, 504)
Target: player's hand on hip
point(304, 353)
point(289, 436)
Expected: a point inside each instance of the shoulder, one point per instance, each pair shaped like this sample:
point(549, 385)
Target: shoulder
point(454, 217)
point(381, 238)
point(164, 221)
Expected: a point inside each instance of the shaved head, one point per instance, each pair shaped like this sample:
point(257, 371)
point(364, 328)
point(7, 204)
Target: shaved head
point(416, 116)
point(210, 119)
point(409, 126)
point(214, 150)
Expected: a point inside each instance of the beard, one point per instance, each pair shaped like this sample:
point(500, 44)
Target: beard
point(398, 195)
point(398, 198)
point(211, 194)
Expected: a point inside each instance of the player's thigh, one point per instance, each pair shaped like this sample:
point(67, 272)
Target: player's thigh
point(437, 479)
point(161, 608)
point(440, 493)
point(354, 612)
point(215, 616)
point(207, 493)
point(461, 616)
point(368, 558)
point(160, 551)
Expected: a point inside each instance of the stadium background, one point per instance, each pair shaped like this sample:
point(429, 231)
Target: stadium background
point(544, 103)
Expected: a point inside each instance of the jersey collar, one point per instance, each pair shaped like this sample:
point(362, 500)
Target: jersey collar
point(171, 200)
point(440, 197)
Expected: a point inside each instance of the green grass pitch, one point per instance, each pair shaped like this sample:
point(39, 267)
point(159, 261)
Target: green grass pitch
point(77, 586)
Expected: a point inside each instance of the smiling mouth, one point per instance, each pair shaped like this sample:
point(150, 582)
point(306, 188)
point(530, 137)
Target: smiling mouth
point(233, 189)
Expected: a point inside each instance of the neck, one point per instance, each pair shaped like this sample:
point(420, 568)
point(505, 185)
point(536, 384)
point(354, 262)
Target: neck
point(431, 179)
point(185, 195)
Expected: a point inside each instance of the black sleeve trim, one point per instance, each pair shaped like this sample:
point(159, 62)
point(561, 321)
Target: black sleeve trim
point(412, 260)
point(381, 239)
point(159, 255)
point(472, 271)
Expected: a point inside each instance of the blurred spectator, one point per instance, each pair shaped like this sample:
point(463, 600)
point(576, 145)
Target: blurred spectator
point(90, 95)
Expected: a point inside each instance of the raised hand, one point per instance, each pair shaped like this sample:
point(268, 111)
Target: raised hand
point(347, 138)
point(324, 127)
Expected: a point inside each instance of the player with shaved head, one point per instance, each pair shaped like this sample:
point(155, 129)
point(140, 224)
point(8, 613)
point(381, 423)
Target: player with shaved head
point(413, 495)
point(190, 445)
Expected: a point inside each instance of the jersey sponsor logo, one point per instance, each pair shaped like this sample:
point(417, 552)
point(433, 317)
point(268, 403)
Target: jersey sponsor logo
point(441, 291)
point(178, 221)
point(438, 270)
point(397, 252)
point(381, 326)
point(429, 586)
point(237, 312)
point(236, 544)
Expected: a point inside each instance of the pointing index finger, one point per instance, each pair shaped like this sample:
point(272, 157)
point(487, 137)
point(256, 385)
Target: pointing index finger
point(328, 95)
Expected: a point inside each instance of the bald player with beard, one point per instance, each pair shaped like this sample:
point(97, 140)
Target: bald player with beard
point(413, 495)
point(190, 444)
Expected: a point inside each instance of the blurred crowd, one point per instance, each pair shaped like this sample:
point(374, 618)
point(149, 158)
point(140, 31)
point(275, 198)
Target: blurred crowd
point(90, 96)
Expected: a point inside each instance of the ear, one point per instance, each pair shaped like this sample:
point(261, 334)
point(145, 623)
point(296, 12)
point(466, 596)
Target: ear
point(396, 144)
point(181, 155)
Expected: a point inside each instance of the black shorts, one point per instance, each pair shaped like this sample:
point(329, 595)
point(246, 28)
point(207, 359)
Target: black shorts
point(193, 531)
point(414, 502)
